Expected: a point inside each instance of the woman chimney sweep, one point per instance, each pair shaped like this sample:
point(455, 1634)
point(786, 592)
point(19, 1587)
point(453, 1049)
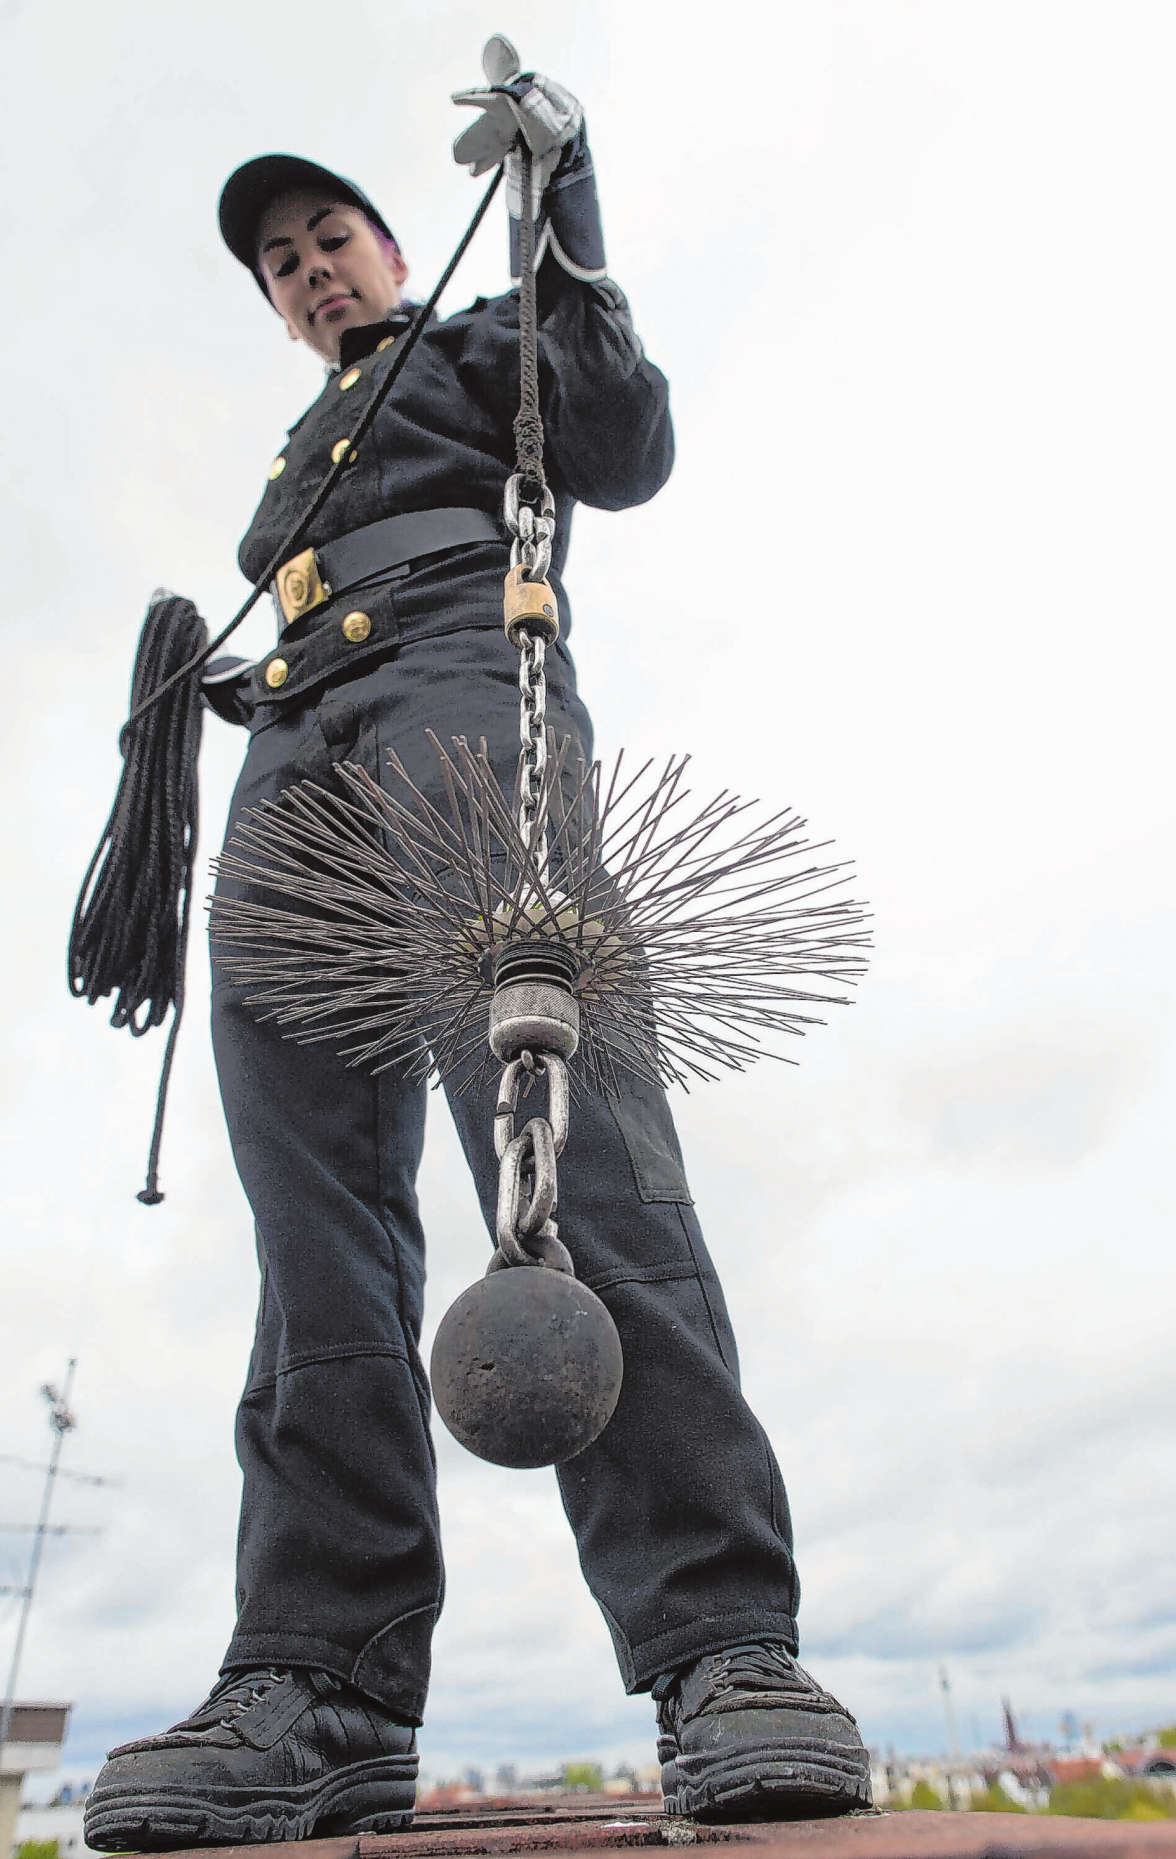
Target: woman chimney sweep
point(678, 1509)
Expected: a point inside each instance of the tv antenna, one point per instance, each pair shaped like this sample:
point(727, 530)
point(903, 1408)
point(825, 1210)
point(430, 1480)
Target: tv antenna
point(953, 1741)
point(61, 1421)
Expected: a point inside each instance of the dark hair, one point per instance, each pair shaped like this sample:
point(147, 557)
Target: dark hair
point(385, 238)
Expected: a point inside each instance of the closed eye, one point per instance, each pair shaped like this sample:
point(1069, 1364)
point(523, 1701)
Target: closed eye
point(328, 242)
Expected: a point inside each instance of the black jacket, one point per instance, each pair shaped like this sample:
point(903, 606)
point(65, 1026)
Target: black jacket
point(444, 439)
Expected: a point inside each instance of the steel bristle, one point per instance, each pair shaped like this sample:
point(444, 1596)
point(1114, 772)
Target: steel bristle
point(366, 917)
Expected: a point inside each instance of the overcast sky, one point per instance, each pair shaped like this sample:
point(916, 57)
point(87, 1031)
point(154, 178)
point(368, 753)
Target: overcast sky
point(909, 269)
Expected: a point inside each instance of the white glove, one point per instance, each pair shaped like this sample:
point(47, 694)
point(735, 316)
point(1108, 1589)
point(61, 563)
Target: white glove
point(547, 115)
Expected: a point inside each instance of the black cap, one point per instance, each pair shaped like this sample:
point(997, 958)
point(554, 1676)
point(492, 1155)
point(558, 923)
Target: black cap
point(250, 189)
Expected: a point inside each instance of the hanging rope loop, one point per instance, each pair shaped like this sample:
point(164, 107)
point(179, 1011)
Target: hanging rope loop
point(528, 425)
point(528, 507)
point(128, 927)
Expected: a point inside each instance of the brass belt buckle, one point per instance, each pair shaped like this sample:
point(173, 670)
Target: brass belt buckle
point(300, 586)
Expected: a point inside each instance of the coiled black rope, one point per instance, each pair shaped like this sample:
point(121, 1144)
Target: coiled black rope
point(129, 935)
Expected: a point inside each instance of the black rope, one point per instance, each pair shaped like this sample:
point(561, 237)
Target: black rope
point(528, 426)
point(129, 934)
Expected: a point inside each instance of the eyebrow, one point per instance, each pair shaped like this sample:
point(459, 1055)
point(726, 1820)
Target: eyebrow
point(314, 220)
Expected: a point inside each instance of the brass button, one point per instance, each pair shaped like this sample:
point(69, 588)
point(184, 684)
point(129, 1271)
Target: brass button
point(277, 468)
point(356, 626)
point(276, 673)
point(338, 449)
point(385, 344)
point(349, 379)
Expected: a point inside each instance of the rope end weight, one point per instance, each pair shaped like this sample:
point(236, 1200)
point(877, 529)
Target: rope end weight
point(528, 607)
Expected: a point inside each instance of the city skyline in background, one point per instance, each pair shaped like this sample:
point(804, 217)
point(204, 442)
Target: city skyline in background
point(964, 1736)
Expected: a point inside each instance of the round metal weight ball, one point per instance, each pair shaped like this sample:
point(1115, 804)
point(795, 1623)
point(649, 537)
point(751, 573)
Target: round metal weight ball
point(527, 1367)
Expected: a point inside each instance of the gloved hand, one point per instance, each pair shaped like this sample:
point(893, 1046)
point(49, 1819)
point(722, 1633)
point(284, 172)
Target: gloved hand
point(563, 185)
point(547, 114)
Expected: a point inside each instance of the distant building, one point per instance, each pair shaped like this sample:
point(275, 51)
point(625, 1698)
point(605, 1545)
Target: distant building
point(62, 1821)
point(35, 1735)
point(1145, 1763)
point(1077, 1768)
point(1026, 1772)
point(508, 1788)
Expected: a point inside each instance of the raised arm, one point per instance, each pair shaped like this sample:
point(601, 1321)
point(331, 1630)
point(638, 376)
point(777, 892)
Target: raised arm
point(605, 406)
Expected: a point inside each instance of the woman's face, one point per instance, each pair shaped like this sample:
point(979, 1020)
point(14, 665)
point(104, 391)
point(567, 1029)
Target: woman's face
point(326, 269)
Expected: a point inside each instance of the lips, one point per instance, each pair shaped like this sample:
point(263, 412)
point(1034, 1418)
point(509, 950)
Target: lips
point(332, 305)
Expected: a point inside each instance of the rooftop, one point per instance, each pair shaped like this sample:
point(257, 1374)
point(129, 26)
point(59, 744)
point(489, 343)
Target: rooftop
point(568, 1826)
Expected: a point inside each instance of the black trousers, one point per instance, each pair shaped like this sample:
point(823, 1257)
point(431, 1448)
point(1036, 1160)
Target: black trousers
point(678, 1509)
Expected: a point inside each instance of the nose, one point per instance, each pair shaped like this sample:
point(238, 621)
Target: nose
point(319, 273)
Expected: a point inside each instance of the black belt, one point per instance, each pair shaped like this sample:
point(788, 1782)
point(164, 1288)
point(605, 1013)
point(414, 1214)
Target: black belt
point(317, 575)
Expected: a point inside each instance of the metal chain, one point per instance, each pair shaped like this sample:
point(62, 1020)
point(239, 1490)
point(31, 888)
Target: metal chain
point(528, 1189)
point(533, 747)
point(528, 510)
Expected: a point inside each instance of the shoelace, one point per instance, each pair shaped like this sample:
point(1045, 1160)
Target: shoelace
point(238, 1694)
point(244, 1693)
point(756, 1668)
point(759, 1667)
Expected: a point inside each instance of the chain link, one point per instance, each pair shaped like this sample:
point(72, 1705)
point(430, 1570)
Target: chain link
point(527, 1188)
point(527, 1183)
point(532, 530)
point(531, 1067)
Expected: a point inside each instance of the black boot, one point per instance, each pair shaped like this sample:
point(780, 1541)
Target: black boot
point(276, 1755)
point(746, 1734)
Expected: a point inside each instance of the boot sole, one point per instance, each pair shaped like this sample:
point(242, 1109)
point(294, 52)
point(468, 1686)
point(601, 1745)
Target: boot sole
point(793, 1780)
point(367, 1797)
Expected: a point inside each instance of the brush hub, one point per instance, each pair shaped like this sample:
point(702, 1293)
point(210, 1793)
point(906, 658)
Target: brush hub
point(533, 1008)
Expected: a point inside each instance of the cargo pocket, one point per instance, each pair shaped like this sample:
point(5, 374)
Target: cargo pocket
point(342, 732)
point(642, 1115)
